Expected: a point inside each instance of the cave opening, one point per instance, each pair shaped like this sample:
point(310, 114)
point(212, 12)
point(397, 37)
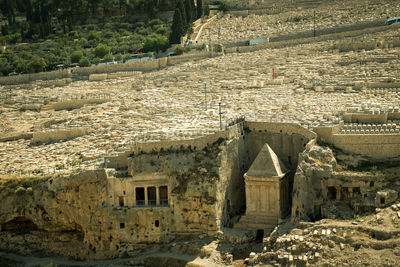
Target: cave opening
point(19, 225)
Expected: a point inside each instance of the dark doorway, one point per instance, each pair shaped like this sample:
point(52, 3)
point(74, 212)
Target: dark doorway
point(152, 196)
point(259, 236)
point(139, 196)
point(164, 195)
point(332, 192)
point(121, 201)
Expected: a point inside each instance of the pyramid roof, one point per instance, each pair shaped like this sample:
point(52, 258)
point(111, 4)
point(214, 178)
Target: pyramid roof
point(267, 164)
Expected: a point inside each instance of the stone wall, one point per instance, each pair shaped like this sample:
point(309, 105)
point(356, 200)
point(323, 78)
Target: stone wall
point(76, 103)
point(375, 146)
point(26, 78)
point(365, 118)
point(148, 65)
point(249, 4)
point(286, 139)
point(57, 135)
point(119, 162)
point(189, 57)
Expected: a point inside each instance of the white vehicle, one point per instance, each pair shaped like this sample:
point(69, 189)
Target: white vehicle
point(391, 21)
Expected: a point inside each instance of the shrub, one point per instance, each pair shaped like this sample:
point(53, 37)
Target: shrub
point(101, 50)
point(139, 24)
point(5, 67)
point(154, 22)
point(118, 57)
point(137, 38)
point(160, 29)
point(84, 62)
point(222, 6)
point(108, 58)
point(126, 57)
point(14, 38)
point(124, 32)
point(51, 59)
point(29, 190)
point(143, 31)
point(179, 50)
point(108, 34)
point(84, 42)
point(20, 65)
point(156, 43)
point(37, 64)
point(20, 190)
point(96, 61)
point(125, 26)
point(91, 27)
point(93, 36)
point(108, 26)
point(73, 34)
point(76, 56)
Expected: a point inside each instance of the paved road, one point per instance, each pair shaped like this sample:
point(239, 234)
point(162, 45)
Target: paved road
point(319, 32)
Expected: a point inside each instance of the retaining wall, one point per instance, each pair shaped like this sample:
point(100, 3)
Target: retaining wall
point(78, 103)
point(365, 118)
point(26, 78)
point(57, 135)
point(148, 65)
point(189, 57)
point(287, 140)
point(375, 146)
point(121, 162)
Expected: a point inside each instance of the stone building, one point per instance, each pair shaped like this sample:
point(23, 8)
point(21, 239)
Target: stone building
point(267, 192)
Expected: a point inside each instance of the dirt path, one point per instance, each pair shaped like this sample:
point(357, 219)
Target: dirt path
point(10, 259)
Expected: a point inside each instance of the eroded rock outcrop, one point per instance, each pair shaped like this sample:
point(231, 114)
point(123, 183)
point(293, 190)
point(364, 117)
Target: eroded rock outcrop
point(327, 188)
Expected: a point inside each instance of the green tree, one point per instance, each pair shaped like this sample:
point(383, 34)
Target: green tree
point(5, 67)
point(118, 57)
point(96, 61)
point(84, 62)
point(206, 10)
point(108, 58)
point(222, 6)
point(20, 65)
point(156, 43)
point(189, 12)
point(177, 29)
point(199, 8)
point(126, 57)
point(194, 10)
point(93, 36)
point(76, 56)
point(181, 6)
point(102, 50)
point(37, 64)
point(8, 9)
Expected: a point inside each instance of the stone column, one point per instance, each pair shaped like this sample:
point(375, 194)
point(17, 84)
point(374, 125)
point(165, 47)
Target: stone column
point(337, 192)
point(146, 198)
point(158, 196)
point(134, 197)
point(351, 192)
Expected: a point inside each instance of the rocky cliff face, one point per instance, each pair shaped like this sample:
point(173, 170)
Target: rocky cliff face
point(315, 167)
point(53, 215)
point(331, 184)
point(73, 216)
